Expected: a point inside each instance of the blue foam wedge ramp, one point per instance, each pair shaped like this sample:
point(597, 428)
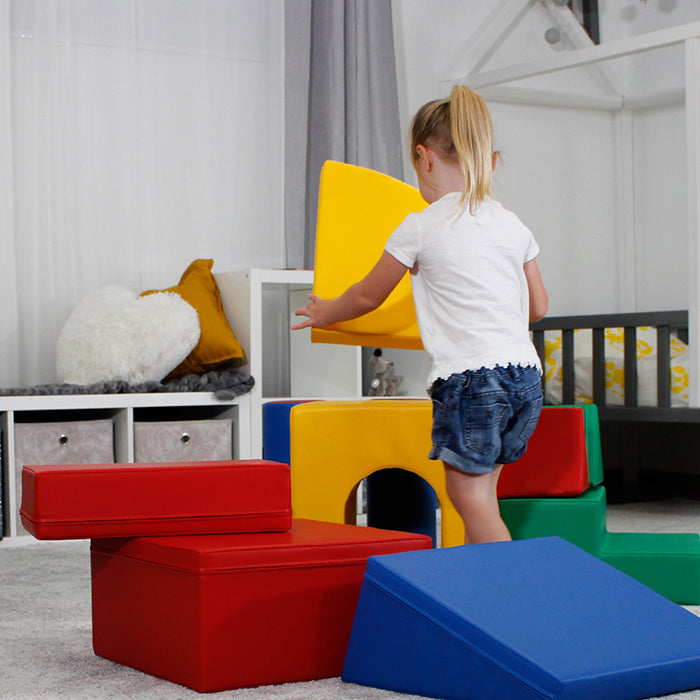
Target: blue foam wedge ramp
point(522, 620)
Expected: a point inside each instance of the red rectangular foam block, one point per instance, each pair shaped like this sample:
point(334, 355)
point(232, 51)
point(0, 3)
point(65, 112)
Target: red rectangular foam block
point(555, 463)
point(85, 501)
point(217, 612)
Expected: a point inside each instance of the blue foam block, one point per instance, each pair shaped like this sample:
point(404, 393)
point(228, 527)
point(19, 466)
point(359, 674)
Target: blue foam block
point(521, 620)
point(276, 430)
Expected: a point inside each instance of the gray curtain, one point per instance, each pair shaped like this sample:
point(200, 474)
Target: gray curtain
point(342, 103)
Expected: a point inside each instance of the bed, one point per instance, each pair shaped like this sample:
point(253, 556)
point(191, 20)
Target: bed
point(634, 367)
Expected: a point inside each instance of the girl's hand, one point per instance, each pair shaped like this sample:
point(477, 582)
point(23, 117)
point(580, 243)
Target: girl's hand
point(364, 296)
point(313, 311)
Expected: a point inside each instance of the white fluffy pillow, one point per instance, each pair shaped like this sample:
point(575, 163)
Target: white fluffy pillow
point(114, 334)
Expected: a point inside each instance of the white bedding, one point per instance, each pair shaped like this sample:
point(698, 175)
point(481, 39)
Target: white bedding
point(614, 365)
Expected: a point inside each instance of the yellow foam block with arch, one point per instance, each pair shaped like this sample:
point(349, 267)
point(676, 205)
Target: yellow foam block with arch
point(336, 444)
point(357, 211)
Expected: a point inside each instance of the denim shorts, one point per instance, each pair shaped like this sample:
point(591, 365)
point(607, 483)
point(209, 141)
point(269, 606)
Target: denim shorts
point(485, 417)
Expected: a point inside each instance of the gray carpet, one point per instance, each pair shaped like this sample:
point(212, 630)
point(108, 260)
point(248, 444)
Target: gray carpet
point(45, 638)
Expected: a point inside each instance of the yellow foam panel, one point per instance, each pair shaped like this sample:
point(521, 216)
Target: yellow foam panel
point(358, 209)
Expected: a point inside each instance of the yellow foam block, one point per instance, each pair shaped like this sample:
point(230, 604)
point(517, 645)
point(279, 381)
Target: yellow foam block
point(357, 211)
point(336, 444)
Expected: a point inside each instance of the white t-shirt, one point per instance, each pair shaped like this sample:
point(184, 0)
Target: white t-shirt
point(469, 286)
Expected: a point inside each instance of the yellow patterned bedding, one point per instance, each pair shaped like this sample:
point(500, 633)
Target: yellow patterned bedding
point(614, 365)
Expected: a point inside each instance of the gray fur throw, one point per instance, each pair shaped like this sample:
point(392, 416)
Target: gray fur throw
point(225, 384)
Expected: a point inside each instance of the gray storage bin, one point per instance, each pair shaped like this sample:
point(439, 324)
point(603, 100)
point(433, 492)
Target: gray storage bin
point(183, 441)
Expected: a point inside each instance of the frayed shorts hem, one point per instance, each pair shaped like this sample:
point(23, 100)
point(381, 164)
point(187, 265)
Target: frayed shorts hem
point(457, 462)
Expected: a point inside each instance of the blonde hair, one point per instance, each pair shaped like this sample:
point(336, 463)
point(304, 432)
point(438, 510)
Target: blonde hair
point(460, 129)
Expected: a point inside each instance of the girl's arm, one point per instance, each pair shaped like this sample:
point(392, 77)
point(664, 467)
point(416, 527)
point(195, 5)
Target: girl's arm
point(539, 299)
point(363, 297)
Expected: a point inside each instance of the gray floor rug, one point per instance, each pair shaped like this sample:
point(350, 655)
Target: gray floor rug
point(45, 637)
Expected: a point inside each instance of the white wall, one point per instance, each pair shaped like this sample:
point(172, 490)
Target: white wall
point(560, 172)
point(144, 135)
point(660, 201)
point(661, 241)
point(558, 168)
point(558, 175)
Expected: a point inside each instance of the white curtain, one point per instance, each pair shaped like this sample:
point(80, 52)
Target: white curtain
point(140, 135)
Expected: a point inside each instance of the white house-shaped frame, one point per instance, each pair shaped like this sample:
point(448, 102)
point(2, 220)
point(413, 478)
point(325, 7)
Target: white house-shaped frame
point(496, 85)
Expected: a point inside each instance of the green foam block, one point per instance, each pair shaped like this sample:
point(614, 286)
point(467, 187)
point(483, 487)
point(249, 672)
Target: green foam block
point(579, 519)
point(594, 449)
point(667, 563)
point(593, 445)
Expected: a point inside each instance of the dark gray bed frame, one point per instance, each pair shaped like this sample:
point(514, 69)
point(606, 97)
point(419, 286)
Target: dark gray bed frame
point(648, 451)
point(665, 322)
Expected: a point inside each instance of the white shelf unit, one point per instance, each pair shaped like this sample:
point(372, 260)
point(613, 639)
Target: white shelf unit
point(123, 410)
point(315, 371)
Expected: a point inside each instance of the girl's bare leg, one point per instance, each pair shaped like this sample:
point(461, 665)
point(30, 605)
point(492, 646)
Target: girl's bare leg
point(474, 497)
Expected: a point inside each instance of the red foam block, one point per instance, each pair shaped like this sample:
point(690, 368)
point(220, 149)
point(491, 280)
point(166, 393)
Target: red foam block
point(85, 501)
point(217, 612)
point(556, 462)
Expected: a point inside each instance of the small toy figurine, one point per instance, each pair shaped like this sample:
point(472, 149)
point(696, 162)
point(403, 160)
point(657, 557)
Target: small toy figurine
point(383, 383)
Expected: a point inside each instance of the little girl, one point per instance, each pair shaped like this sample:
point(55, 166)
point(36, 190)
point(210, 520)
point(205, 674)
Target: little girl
point(476, 285)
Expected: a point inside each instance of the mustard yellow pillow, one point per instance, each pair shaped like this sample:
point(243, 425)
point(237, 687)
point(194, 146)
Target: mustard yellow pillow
point(217, 343)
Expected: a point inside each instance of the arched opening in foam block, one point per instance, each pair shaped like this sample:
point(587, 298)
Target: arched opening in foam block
point(393, 498)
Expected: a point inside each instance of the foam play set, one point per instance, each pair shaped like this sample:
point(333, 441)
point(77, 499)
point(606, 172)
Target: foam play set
point(554, 489)
point(368, 436)
point(201, 576)
point(236, 609)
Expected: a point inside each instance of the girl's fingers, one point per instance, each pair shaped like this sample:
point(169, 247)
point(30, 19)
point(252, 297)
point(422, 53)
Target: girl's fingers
point(302, 324)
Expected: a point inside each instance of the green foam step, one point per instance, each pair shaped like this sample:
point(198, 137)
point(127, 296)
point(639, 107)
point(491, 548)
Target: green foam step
point(667, 563)
point(579, 519)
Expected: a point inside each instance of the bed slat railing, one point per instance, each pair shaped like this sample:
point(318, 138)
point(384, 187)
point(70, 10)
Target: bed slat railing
point(663, 366)
point(568, 375)
point(599, 366)
point(665, 322)
point(631, 389)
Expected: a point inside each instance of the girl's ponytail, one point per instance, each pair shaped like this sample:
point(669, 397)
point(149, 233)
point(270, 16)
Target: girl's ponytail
point(472, 136)
point(460, 129)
